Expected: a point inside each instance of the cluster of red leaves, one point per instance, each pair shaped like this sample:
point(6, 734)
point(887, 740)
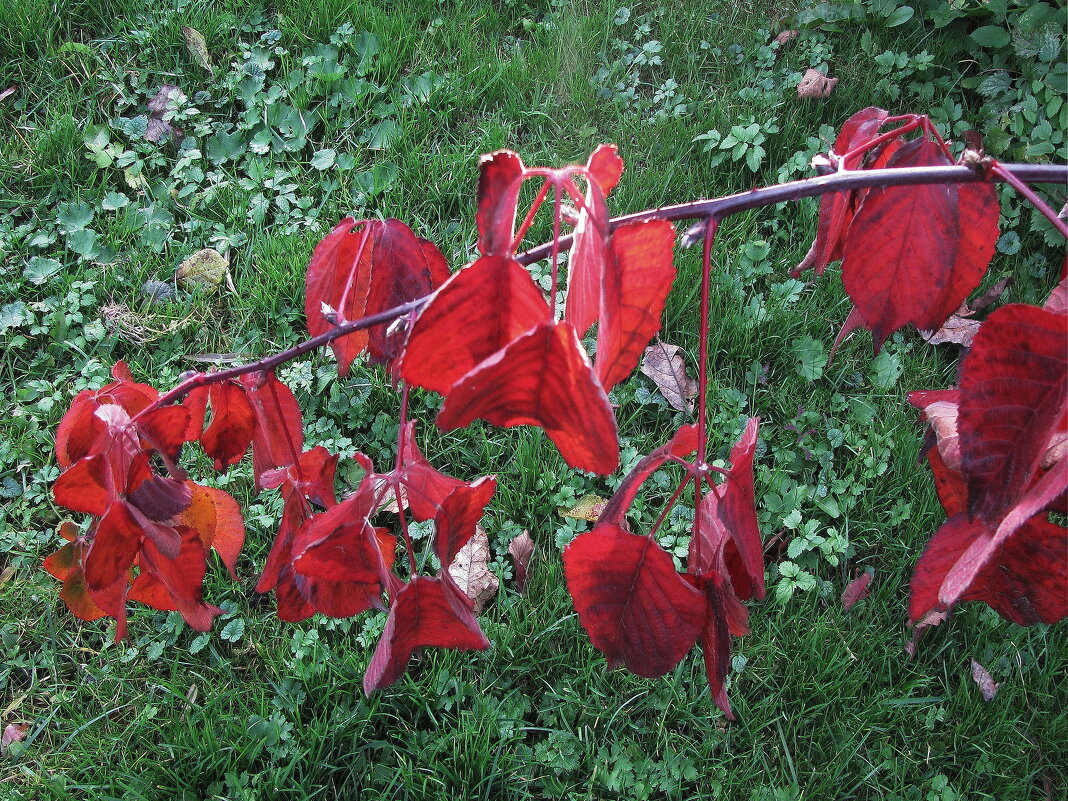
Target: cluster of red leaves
point(636, 607)
point(910, 254)
point(998, 456)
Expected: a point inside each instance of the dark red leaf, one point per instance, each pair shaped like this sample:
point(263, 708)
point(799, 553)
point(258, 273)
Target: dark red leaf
point(460, 512)
point(633, 604)
point(114, 547)
point(856, 590)
point(424, 488)
point(233, 423)
point(160, 498)
point(166, 429)
point(636, 283)
point(544, 378)
point(427, 612)
point(521, 549)
point(716, 640)
point(292, 607)
point(85, 486)
point(497, 301)
point(279, 434)
point(500, 176)
point(1013, 390)
point(681, 445)
point(182, 577)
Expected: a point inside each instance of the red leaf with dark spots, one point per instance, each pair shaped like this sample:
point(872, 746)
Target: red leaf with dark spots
point(114, 547)
point(500, 176)
point(233, 423)
point(637, 279)
point(278, 440)
point(1013, 391)
point(85, 486)
point(681, 445)
point(455, 523)
point(498, 302)
point(427, 612)
point(632, 602)
point(544, 378)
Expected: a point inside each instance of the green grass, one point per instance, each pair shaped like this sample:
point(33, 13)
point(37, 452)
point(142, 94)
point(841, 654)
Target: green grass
point(829, 705)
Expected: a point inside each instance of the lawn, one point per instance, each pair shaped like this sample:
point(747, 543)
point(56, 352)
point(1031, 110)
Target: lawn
point(129, 143)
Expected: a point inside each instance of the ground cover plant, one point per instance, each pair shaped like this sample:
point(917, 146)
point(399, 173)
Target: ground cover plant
point(562, 728)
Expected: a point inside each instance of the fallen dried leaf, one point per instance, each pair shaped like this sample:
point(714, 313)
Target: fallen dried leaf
point(992, 294)
point(13, 733)
point(856, 590)
point(521, 549)
point(666, 366)
point(815, 85)
point(158, 128)
point(987, 685)
point(470, 570)
point(784, 37)
point(6, 574)
point(198, 48)
point(930, 620)
point(7, 92)
point(205, 269)
point(588, 507)
point(957, 330)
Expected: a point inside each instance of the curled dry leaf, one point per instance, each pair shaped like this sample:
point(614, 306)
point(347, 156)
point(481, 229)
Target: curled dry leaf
point(205, 270)
point(815, 85)
point(987, 686)
point(856, 590)
point(470, 570)
point(665, 365)
point(588, 507)
point(784, 37)
point(521, 549)
point(959, 329)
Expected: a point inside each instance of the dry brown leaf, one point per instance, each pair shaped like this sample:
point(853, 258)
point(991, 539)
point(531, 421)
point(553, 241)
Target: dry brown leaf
point(205, 269)
point(6, 574)
point(521, 549)
point(198, 48)
point(942, 415)
point(930, 620)
point(957, 330)
point(784, 37)
point(987, 686)
point(470, 570)
point(1057, 302)
point(815, 85)
point(588, 507)
point(666, 366)
point(992, 294)
point(13, 733)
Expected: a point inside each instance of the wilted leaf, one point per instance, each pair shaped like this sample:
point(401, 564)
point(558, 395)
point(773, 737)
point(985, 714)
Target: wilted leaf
point(13, 733)
point(589, 507)
point(521, 549)
point(470, 570)
point(666, 366)
point(957, 330)
point(205, 270)
point(986, 683)
point(815, 85)
point(856, 590)
point(198, 48)
point(784, 37)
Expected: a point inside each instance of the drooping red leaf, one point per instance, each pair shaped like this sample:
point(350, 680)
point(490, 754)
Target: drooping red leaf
point(75, 594)
point(233, 423)
point(500, 176)
point(632, 602)
point(716, 640)
point(1013, 391)
point(544, 378)
point(159, 498)
point(166, 429)
point(605, 167)
point(114, 547)
point(164, 536)
point(588, 261)
point(856, 590)
point(424, 488)
point(216, 517)
point(400, 272)
point(292, 606)
point(682, 444)
point(312, 476)
point(427, 612)
point(196, 403)
point(460, 512)
point(731, 509)
point(497, 301)
point(910, 257)
point(278, 440)
point(85, 486)
point(637, 280)
point(339, 278)
point(112, 600)
point(182, 577)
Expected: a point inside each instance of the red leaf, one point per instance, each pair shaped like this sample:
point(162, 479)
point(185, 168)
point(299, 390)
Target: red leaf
point(500, 176)
point(312, 476)
point(292, 607)
point(183, 578)
point(233, 423)
point(588, 261)
point(428, 612)
point(114, 547)
point(716, 640)
point(460, 512)
point(166, 429)
point(909, 256)
point(681, 445)
point(544, 378)
point(637, 280)
point(1013, 390)
point(80, 427)
point(159, 498)
point(424, 488)
point(497, 301)
point(856, 590)
point(339, 276)
point(85, 486)
point(216, 517)
point(633, 604)
point(279, 434)
point(605, 167)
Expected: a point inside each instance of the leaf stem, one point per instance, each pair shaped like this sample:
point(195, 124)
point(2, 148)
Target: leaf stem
point(1005, 172)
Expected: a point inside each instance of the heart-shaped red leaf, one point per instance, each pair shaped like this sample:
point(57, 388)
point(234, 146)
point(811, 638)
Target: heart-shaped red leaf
point(544, 378)
point(634, 289)
point(455, 523)
point(605, 167)
point(497, 301)
point(632, 602)
point(233, 423)
point(427, 612)
point(500, 176)
point(682, 444)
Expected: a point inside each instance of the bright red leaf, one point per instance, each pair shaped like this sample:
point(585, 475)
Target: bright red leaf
point(278, 440)
point(500, 176)
point(682, 444)
point(233, 423)
point(455, 523)
point(182, 577)
point(216, 517)
point(114, 547)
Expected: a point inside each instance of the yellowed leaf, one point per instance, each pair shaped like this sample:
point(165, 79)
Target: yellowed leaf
point(198, 48)
point(589, 507)
point(205, 269)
